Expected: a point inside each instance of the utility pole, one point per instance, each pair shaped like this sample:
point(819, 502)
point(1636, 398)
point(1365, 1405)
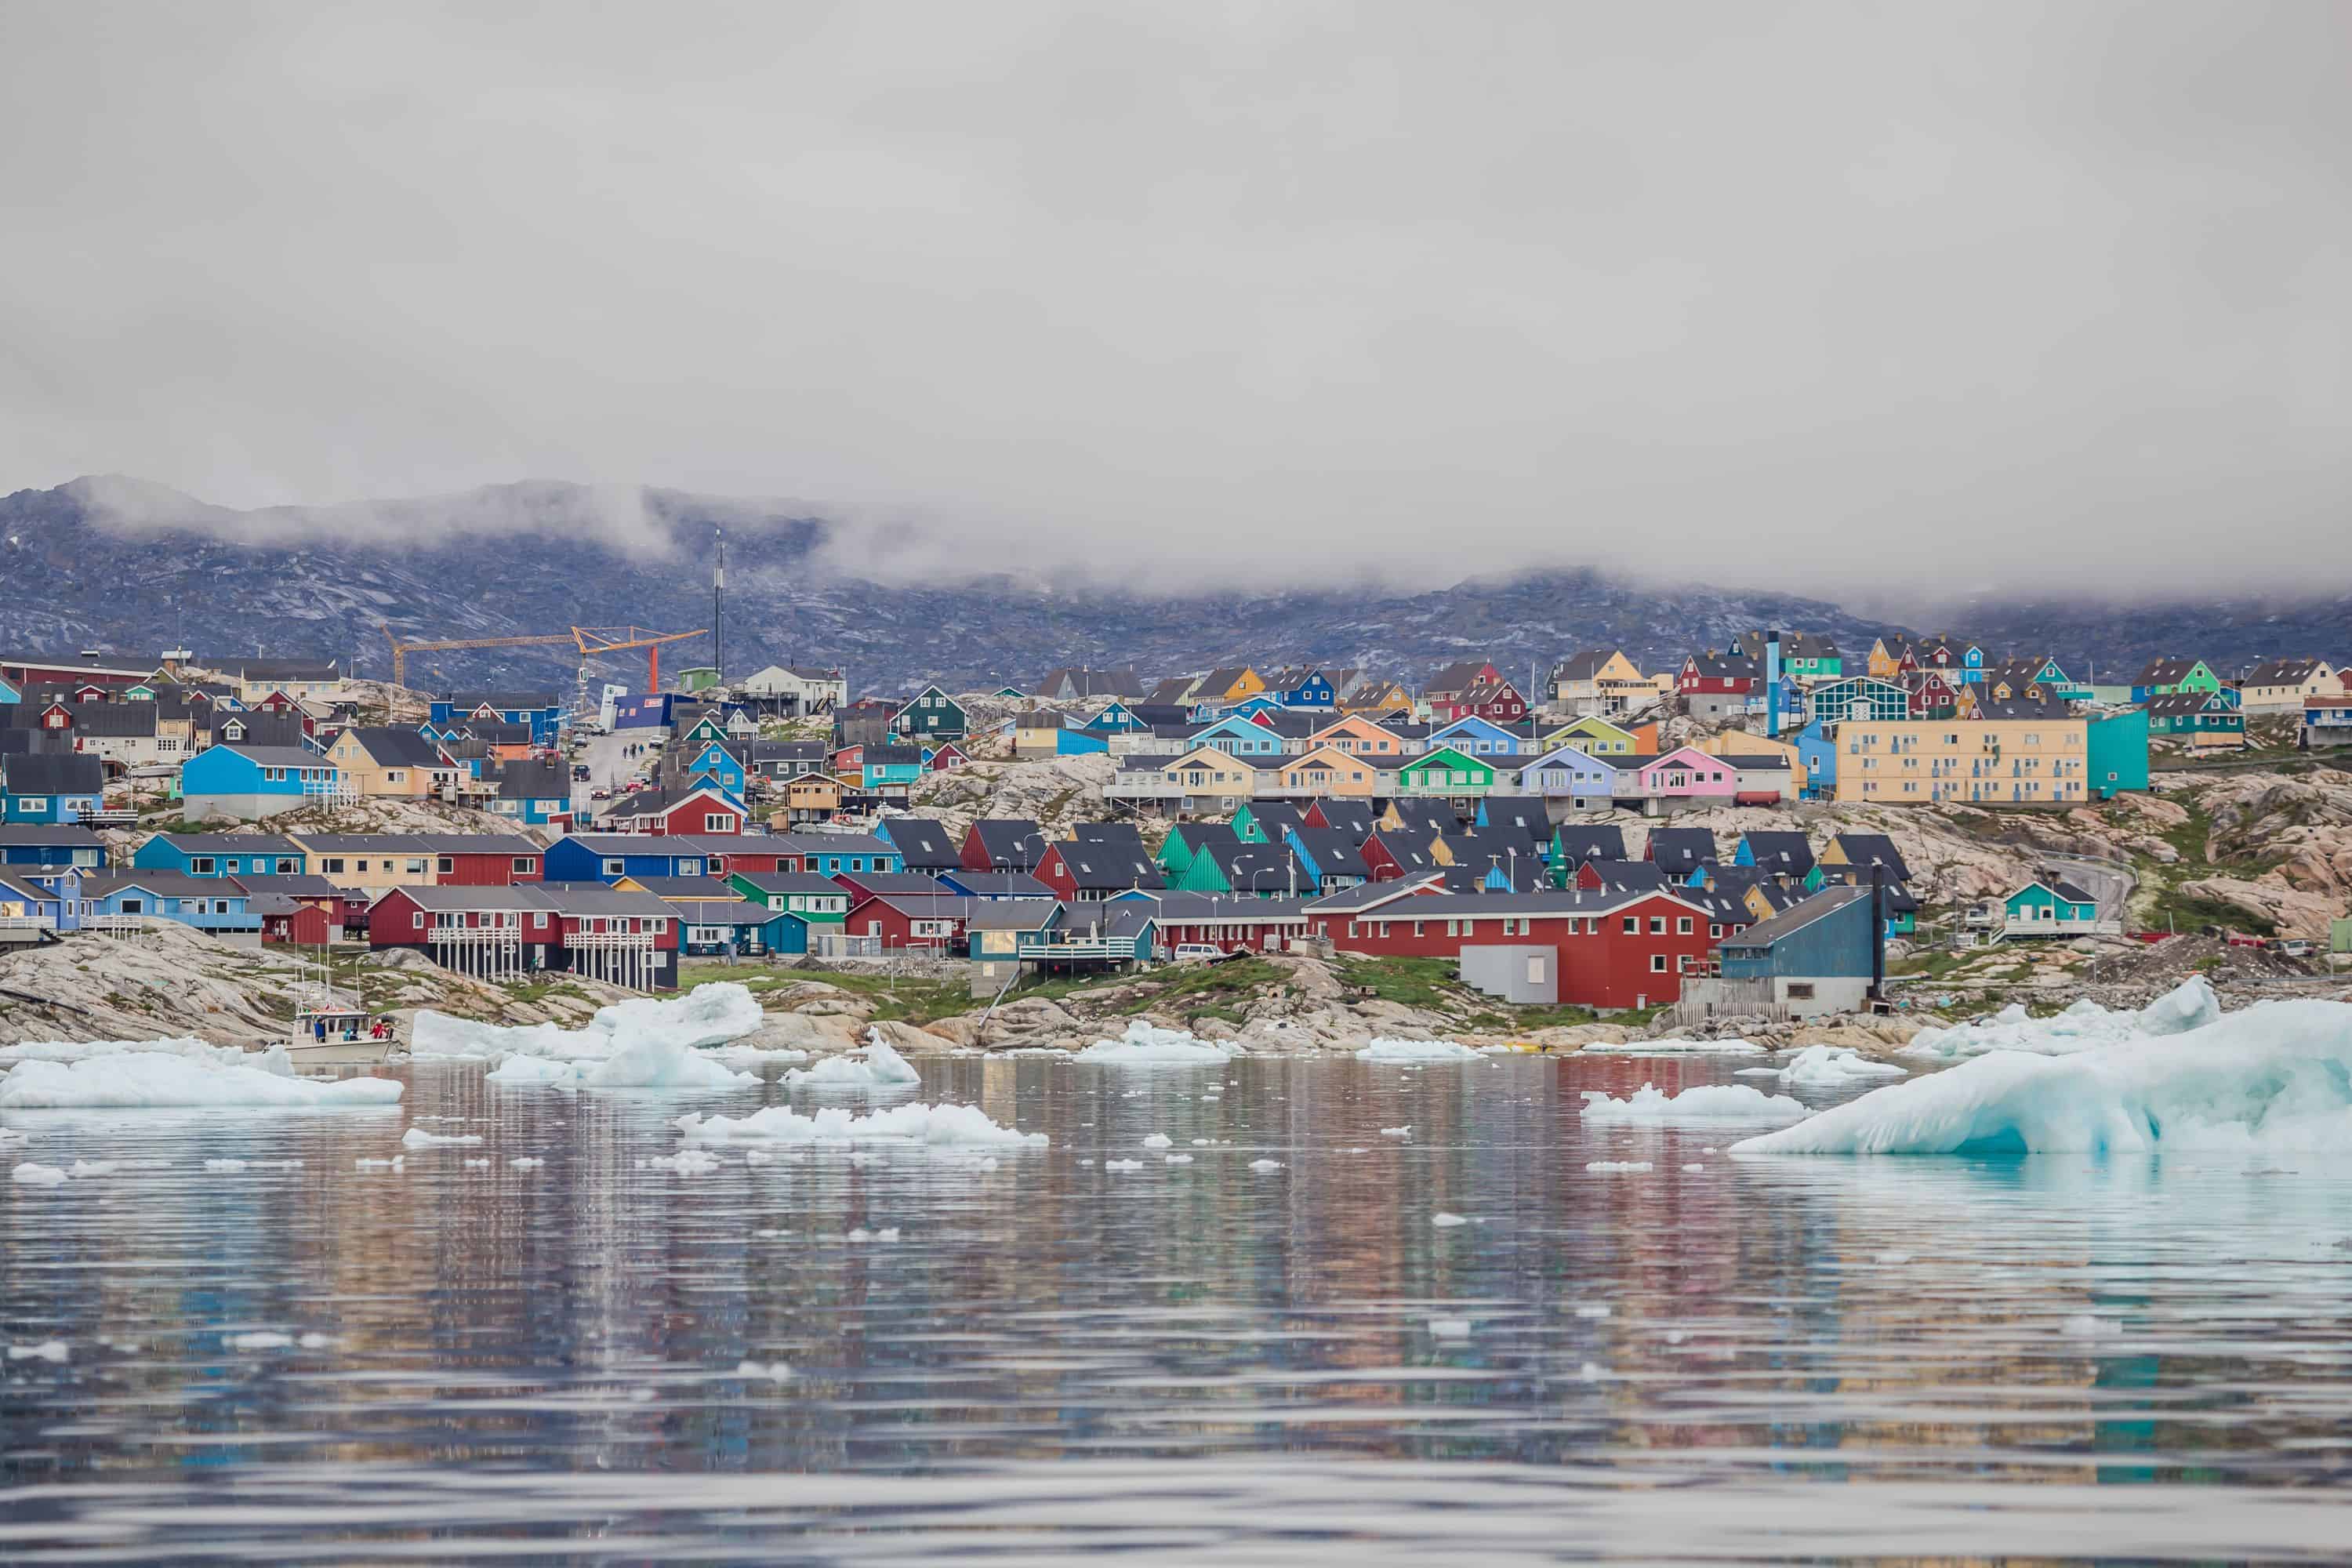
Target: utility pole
point(718, 611)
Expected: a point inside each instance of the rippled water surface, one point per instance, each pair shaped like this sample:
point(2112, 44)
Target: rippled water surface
point(2056, 1357)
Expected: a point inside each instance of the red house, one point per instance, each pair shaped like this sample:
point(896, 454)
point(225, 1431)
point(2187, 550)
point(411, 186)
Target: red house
point(688, 811)
point(1497, 701)
point(1226, 923)
point(581, 928)
point(288, 923)
point(1400, 852)
point(1448, 685)
point(1733, 674)
point(913, 920)
point(1003, 844)
point(1630, 948)
point(1082, 870)
point(1932, 695)
point(483, 859)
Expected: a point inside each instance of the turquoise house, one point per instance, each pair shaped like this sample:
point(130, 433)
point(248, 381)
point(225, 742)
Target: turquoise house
point(219, 855)
point(720, 768)
point(2116, 753)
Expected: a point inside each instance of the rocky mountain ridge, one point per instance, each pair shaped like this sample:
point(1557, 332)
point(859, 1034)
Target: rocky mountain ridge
point(115, 562)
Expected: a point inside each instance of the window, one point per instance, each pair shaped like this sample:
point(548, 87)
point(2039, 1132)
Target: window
point(415, 867)
point(718, 822)
point(333, 866)
point(1416, 927)
point(1801, 990)
point(1682, 925)
point(1632, 925)
point(523, 866)
point(202, 866)
point(1657, 964)
point(416, 920)
point(1657, 925)
point(612, 868)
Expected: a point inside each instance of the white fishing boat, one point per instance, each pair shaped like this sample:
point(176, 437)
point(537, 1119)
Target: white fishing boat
point(327, 1036)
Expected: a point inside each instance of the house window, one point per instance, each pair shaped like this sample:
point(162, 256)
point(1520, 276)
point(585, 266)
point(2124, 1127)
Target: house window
point(416, 920)
point(445, 865)
point(1632, 925)
point(332, 867)
point(612, 868)
point(1682, 925)
point(1657, 925)
point(1657, 964)
point(522, 865)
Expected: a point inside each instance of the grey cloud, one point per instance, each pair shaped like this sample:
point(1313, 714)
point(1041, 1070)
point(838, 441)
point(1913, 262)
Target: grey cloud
point(1882, 300)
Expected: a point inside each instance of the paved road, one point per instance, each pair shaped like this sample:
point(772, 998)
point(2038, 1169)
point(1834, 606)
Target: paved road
point(609, 765)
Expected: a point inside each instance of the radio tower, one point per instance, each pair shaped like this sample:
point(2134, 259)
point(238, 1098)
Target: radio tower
point(718, 612)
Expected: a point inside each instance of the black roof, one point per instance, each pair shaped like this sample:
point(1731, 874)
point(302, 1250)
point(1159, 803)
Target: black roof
point(1594, 841)
point(1334, 854)
point(1864, 850)
point(1009, 842)
point(53, 773)
point(1827, 902)
point(1355, 816)
point(395, 745)
point(1681, 849)
point(1786, 854)
point(922, 844)
point(533, 780)
point(1100, 865)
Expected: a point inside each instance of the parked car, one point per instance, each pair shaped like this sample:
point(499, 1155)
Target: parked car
point(1198, 953)
point(600, 793)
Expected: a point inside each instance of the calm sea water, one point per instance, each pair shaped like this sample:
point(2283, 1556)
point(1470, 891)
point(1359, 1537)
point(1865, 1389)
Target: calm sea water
point(2054, 1358)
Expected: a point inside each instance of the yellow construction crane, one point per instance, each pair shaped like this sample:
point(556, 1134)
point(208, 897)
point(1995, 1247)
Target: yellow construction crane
point(588, 640)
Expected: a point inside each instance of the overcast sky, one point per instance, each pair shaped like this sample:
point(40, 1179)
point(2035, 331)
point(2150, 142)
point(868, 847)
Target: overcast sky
point(1804, 296)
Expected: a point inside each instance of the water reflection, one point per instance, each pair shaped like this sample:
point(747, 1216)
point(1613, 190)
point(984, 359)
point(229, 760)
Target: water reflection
point(1943, 1355)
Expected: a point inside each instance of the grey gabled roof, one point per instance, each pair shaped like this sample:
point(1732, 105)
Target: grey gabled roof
point(129, 718)
point(997, 884)
point(534, 781)
point(396, 745)
point(53, 773)
point(1196, 909)
point(791, 882)
point(1827, 902)
point(229, 843)
point(1594, 841)
point(1012, 914)
point(921, 841)
point(278, 756)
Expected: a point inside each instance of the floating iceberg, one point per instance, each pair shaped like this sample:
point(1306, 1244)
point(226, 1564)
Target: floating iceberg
point(146, 1080)
point(643, 1064)
point(33, 1174)
point(1147, 1042)
point(883, 1068)
point(705, 1015)
point(2270, 1077)
point(916, 1123)
point(83, 1050)
point(1707, 1102)
point(2084, 1026)
point(418, 1138)
point(1417, 1051)
point(1822, 1066)
point(1672, 1048)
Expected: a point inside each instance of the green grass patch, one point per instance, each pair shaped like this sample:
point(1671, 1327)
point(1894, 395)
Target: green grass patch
point(1427, 982)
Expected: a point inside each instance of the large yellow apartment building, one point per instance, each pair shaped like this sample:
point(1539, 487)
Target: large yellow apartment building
point(2002, 761)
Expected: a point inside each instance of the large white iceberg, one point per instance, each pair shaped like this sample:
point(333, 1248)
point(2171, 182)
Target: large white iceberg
point(2084, 1026)
point(146, 1080)
point(1822, 1066)
point(883, 1068)
point(917, 1123)
point(82, 1051)
point(706, 1015)
point(1417, 1051)
point(643, 1064)
point(1648, 1105)
point(2273, 1076)
point(1149, 1044)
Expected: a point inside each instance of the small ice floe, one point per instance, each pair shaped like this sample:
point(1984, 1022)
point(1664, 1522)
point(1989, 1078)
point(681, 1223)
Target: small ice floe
point(1693, 1170)
point(1445, 1221)
point(643, 1064)
point(1416, 1051)
point(772, 1371)
point(397, 1162)
point(988, 1164)
point(51, 1351)
point(2084, 1026)
point(315, 1342)
point(418, 1138)
point(82, 1168)
point(768, 1234)
point(33, 1174)
point(260, 1340)
point(481, 1163)
point(145, 1079)
point(1825, 1066)
point(688, 1162)
point(2090, 1326)
point(1179, 1159)
point(1593, 1371)
point(1707, 1102)
point(1159, 1141)
point(525, 1164)
point(1122, 1164)
point(227, 1165)
point(1891, 1259)
point(1595, 1310)
point(883, 1068)
point(1199, 1142)
point(1263, 1165)
point(1147, 1045)
point(888, 1233)
point(706, 1015)
point(1396, 1131)
point(1603, 1167)
point(758, 1157)
point(913, 1122)
point(1673, 1048)
point(1450, 1328)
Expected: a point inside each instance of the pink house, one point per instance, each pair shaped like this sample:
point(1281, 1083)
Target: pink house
point(1684, 772)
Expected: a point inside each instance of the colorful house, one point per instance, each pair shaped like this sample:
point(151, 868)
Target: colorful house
point(2206, 720)
point(2163, 677)
point(1683, 773)
point(1446, 772)
point(1323, 770)
point(1863, 697)
point(1358, 737)
point(390, 761)
point(1185, 840)
point(220, 855)
point(1598, 737)
point(1572, 775)
point(56, 845)
point(719, 767)
point(932, 715)
point(543, 712)
point(1480, 738)
point(250, 782)
point(217, 906)
point(51, 786)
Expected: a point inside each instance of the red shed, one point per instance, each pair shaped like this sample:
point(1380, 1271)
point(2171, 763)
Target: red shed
point(913, 920)
point(483, 859)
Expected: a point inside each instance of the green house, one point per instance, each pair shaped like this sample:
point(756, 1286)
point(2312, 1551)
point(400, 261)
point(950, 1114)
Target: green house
point(1445, 772)
point(2165, 675)
point(932, 715)
point(1186, 841)
point(2116, 753)
point(2046, 908)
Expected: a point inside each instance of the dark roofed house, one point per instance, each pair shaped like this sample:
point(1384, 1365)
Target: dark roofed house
point(1003, 844)
point(1788, 855)
point(922, 844)
point(51, 786)
point(1574, 842)
point(1082, 870)
point(1680, 851)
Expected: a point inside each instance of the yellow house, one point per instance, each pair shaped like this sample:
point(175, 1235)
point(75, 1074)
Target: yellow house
point(811, 797)
point(1038, 732)
point(1911, 762)
point(1595, 737)
point(2281, 685)
point(1237, 684)
point(1358, 737)
point(373, 863)
point(1327, 770)
point(387, 760)
point(1601, 680)
point(1379, 697)
point(1741, 743)
point(1886, 657)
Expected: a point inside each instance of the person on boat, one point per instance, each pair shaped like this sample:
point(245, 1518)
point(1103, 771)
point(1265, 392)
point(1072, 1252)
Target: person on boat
point(319, 1027)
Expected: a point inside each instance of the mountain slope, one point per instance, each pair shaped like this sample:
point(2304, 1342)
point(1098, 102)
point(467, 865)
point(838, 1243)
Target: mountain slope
point(116, 563)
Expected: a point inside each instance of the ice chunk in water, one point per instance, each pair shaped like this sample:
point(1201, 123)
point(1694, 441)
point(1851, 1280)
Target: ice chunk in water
point(1822, 1066)
point(51, 1351)
point(1149, 1044)
point(1707, 1102)
point(138, 1080)
point(1445, 1221)
point(418, 1138)
point(1158, 1140)
point(33, 1174)
point(706, 1015)
point(916, 1123)
point(883, 1068)
point(260, 1340)
point(642, 1064)
point(1416, 1051)
point(1603, 1167)
point(1266, 1166)
point(2085, 1025)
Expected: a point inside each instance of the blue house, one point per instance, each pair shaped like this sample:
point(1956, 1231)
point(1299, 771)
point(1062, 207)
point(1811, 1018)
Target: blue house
point(1071, 742)
point(51, 786)
point(1786, 855)
point(542, 710)
point(60, 844)
point(832, 854)
point(55, 898)
point(1311, 689)
point(534, 792)
point(1237, 736)
point(1477, 737)
point(254, 781)
point(1250, 707)
point(609, 856)
point(220, 855)
point(1583, 780)
point(1115, 719)
point(1817, 956)
point(210, 904)
point(718, 767)
point(1332, 861)
point(1817, 754)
